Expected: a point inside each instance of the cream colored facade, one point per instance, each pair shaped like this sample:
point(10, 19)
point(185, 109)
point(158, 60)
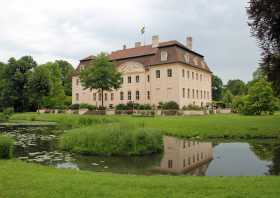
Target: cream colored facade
point(179, 82)
point(182, 156)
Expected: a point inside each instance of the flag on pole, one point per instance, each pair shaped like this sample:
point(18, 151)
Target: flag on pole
point(142, 30)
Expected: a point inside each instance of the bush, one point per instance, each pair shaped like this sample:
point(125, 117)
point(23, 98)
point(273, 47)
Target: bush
point(260, 99)
point(6, 147)
point(87, 106)
point(170, 106)
point(113, 140)
point(74, 106)
point(131, 106)
point(192, 107)
point(6, 114)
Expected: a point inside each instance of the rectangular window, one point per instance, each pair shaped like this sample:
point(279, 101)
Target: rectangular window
point(183, 73)
point(129, 95)
point(121, 80)
point(129, 79)
point(184, 94)
point(112, 96)
point(193, 93)
point(94, 96)
point(77, 97)
point(137, 95)
point(196, 75)
point(201, 95)
point(77, 82)
point(121, 95)
point(148, 95)
point(169, 73)
point(148, 78)
point(189, 161)
point(197, 94)
point(184, 163)
point(200, 77)
point(193, 75)
point(204, 94)
point(137, 79)
point(106, 96)
point(157, 73)
point(170, 163)
point(188, 74)
point(188, 93)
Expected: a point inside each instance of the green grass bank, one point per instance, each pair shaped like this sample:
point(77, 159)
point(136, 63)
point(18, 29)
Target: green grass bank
point(212, 126)
point(6, 147)
point(116, 139)
point(19, 179)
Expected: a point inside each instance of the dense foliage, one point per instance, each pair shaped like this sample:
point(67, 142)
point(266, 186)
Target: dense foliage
point(236, 87)
point(135, 106)
point(264, 20)
point(102, 75)
point(260, 99)
point(6, 147)
point(113, 140)
point(25, 86)
point(171, 105)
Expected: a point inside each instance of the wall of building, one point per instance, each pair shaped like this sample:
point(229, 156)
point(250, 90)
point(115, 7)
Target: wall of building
point(163, 89)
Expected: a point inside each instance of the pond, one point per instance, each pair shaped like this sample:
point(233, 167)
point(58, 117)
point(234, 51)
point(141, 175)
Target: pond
point(180, 156)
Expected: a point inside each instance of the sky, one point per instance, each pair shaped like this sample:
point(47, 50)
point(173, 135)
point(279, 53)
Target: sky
point(71, 30)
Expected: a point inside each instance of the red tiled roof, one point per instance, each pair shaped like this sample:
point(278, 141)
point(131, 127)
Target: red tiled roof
point(149, 56)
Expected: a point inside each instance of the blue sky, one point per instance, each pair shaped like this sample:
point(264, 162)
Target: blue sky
point(71, 30)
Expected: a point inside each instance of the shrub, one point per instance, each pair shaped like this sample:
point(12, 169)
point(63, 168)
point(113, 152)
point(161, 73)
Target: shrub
point(260, 99)
point(113, 140)
point(6, 147)
point(170, 106)
point(192, 107)
point(131, 106)
point(74, 106)
point(87, 106)
point(6, 114)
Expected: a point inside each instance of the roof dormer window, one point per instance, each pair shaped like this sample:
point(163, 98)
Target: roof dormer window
point(187, 58)
point(195, 61)
point(163, 56)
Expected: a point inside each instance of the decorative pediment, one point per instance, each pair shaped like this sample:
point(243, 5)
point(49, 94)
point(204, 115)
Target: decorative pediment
point(131, 67)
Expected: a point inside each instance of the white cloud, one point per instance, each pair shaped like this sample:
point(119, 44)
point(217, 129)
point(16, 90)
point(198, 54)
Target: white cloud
point(71, 30)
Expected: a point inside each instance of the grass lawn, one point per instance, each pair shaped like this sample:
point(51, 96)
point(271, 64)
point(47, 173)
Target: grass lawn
point(212, 126)
point(19, 179)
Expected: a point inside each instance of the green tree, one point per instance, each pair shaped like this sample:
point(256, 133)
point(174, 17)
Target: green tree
point(260, 99)
point(217, 88)
point(236, 87)
point(40, 86)
point(264, 20)
point(227, 98)
point(57, 97)
point(101, 75)
point(66, 76)
point(15, 80)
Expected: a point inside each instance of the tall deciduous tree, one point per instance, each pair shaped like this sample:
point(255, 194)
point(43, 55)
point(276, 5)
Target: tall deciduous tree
point(217, 88)
point(15, 80)
point(66, 76)
point(264, 20)
point(40, 86)
point(102, 75)
point(56, 98)
point(236, 87)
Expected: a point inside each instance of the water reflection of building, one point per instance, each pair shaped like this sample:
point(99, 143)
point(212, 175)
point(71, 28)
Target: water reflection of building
point(183, 156)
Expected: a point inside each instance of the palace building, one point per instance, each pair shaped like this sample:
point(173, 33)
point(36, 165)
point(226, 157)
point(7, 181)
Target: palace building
point(158, 72)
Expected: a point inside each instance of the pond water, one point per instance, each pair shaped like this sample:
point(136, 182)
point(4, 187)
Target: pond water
point(180, 156)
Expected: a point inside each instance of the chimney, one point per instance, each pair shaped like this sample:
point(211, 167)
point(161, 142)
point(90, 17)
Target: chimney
point(189, 42)
point(137, 44)
point(124, 47)
point(155, 41)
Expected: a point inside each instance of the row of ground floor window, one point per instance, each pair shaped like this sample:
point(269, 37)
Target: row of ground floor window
point(195, 94)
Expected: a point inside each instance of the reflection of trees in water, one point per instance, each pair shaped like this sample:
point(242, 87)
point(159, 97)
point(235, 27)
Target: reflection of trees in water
point(269, 151)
